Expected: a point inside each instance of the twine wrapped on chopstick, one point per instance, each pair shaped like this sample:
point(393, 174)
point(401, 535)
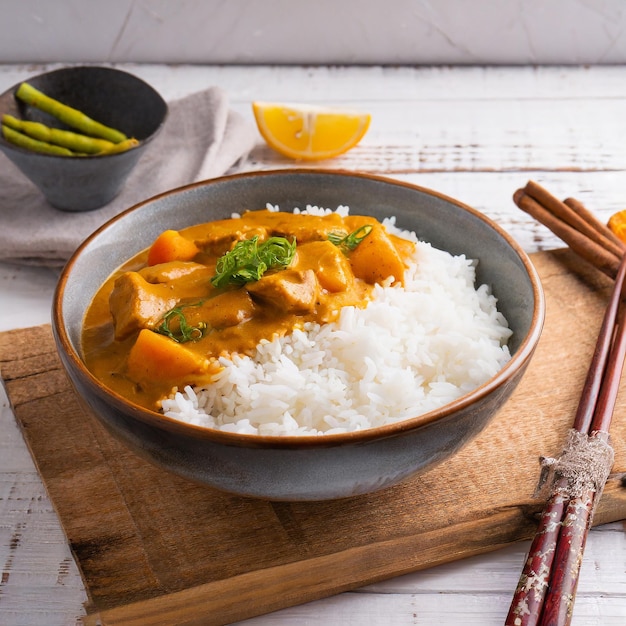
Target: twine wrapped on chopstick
point(585, 463)
point(547, 587)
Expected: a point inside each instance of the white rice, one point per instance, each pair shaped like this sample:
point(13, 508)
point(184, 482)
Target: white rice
point(411, 350)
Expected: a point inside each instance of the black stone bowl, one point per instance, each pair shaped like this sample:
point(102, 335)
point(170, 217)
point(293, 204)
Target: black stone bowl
point(110, 96)
point(303, 468)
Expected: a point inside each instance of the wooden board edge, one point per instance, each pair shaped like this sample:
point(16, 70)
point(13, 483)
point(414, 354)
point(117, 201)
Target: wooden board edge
point(265, 591)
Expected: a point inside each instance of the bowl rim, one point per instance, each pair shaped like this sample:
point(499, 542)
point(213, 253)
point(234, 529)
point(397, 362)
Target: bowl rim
point(7, 145)
point(162, 422)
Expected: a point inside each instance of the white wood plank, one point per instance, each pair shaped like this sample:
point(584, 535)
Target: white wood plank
point(30, 290)
point(598, 575)
point(369, 82)
point(430, 609)
point(40, 582)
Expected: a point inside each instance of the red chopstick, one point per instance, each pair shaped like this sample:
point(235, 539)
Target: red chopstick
point(547, 587)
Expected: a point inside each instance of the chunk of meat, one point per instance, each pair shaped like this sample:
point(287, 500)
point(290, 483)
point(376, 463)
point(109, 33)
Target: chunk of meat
point(222, 311)
point(135, 303)
point(292, 291)
point(222, 236)
point(280, 224)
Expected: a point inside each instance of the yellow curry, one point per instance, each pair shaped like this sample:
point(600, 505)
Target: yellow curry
point(217, 289)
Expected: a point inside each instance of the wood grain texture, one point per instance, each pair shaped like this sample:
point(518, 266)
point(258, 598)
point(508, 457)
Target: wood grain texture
point(154, 548)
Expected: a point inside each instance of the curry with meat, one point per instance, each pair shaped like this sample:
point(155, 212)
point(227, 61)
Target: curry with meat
point(217, 289)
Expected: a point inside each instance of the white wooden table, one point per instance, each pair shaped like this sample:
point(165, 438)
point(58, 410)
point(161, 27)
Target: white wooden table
point(476, 134)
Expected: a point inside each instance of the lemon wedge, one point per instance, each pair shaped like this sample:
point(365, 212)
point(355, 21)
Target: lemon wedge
point(308, 132)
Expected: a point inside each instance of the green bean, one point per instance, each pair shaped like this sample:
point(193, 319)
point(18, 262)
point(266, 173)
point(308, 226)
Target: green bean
point(122, 146)
point(24, 141)
point(66, 138)
point(68, 115)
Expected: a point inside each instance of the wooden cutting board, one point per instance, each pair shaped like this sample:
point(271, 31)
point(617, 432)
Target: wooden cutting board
point(154, 548)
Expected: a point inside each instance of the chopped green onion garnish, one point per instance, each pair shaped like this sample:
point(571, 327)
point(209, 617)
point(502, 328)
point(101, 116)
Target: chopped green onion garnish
point(185, 331)
point(249, 260)
point(347, 243)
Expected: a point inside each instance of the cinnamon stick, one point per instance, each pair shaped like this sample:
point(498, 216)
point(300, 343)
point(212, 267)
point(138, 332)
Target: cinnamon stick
point(577, 217)
point(588, 216)
point(595, 253)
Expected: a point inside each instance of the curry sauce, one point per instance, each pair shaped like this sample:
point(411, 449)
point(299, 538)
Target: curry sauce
point(163, 319)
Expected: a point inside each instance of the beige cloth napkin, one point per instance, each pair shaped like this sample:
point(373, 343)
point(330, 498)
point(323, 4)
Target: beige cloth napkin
point(201, 138)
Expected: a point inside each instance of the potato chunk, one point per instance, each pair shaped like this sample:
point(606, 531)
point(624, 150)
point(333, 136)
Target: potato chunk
point(376, 258)
point(330, 265)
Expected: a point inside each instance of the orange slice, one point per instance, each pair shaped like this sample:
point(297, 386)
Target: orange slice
point(617, 223)
point(309, 132)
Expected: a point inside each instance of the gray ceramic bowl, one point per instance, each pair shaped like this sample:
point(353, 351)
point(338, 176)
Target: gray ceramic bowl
point(301, 468)
point(110, 96)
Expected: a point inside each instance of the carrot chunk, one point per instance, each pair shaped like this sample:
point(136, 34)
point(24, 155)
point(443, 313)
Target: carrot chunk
point(155, 357)
point(170, 245)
